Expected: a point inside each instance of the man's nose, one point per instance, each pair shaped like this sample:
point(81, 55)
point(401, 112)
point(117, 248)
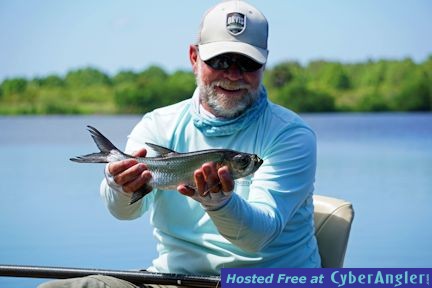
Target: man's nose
point(233, 73)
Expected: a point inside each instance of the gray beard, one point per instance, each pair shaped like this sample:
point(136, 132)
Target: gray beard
point(221, 105)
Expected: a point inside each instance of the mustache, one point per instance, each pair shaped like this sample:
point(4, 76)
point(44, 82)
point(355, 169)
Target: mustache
point(229, 85)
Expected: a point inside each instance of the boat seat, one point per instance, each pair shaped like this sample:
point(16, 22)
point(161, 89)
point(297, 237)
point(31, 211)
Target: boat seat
point(333, 218)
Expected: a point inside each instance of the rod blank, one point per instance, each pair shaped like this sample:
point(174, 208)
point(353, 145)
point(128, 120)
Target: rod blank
point(136, 277)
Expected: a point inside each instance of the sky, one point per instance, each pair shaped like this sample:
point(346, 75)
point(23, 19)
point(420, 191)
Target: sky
point(43, 37)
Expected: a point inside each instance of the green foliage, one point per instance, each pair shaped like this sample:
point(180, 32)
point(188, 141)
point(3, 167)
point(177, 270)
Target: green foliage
point(182, 86)
point(86, 77)
point(328, 75)
point(320, 86)
point(125, 77)
point(151, 89)
point(14, 86)
point(50, 81)
point(299, 98)
point(283, 73)
point(418, 86)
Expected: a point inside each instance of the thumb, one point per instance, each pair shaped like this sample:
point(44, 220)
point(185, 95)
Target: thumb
point(140, 153)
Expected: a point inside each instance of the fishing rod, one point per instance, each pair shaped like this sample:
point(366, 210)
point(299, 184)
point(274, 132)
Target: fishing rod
point(136, 277)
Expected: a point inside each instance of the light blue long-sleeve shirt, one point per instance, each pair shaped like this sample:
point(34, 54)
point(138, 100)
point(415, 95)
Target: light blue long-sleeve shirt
point(268, 222)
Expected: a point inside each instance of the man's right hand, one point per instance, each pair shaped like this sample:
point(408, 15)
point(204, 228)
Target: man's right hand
point(130, 174)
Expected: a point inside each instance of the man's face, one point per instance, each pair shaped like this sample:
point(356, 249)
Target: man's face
point(228, 92)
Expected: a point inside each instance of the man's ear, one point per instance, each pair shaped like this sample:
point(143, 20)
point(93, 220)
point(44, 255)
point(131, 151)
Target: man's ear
point(193, 56)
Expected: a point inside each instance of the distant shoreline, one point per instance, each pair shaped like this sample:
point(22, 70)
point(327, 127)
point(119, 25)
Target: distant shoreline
point(320, 86)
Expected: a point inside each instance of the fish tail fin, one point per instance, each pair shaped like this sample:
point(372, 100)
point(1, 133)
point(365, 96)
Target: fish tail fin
point(108, 152)
point(91, 158)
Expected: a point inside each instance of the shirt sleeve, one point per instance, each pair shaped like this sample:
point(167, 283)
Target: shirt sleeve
point(115, 199)
point(279, 187)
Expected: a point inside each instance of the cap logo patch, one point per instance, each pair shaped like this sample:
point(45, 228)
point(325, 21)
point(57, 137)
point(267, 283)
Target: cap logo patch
point(235, 23)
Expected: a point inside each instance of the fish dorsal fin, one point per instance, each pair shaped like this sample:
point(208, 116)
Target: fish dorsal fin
point(162, 151)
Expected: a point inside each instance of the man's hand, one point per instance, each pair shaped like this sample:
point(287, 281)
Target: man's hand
point(213, 186)
point(208, 179)
point(131, 175)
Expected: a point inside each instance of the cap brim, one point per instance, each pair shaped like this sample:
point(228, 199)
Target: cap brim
point(210, 50)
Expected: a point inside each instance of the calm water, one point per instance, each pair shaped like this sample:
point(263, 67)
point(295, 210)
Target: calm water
point(51, 213)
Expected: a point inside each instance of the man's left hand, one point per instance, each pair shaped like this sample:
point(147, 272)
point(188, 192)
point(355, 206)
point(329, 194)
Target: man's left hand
point(213, 186)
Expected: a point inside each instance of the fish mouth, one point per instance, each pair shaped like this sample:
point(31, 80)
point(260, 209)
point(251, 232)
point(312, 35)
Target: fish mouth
point(258, 161)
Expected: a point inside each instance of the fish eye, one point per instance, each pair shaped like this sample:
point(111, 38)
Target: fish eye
point(241, 161)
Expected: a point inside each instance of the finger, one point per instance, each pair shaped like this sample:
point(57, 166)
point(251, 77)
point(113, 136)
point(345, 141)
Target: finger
point(211, 177)
point(186, 190)
point(130, 174)
point(140, 153)
point(226, 179)
point(118, 167)
point(200, 181)
point(141, 182)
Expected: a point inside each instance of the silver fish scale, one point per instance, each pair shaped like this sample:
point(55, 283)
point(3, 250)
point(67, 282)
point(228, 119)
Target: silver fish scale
point(169, 172)
point(172, 168)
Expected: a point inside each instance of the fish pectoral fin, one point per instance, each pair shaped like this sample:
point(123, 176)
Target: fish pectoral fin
point(162, 151)
point(138, 195)
point(218, 186)
point(190, 187)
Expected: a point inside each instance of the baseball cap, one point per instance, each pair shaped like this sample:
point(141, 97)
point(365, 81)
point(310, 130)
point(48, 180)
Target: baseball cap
point(233, 26)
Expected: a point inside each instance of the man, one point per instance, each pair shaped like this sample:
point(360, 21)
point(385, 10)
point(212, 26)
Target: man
point(264, 220)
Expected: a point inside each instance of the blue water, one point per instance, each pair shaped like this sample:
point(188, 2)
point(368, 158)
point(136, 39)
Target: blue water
point(51, 213)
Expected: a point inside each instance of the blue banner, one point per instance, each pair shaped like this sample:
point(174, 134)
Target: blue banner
point(326, 277)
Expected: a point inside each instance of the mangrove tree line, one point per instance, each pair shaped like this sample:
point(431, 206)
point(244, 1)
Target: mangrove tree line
point(319, 86)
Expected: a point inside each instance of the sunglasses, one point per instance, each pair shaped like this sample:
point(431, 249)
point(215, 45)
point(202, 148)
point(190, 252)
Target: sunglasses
point(225, 61)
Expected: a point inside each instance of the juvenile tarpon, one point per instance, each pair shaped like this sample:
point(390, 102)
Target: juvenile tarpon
point(170, 168)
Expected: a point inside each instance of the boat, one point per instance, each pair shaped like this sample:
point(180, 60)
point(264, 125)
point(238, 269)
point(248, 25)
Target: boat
point(333, 218)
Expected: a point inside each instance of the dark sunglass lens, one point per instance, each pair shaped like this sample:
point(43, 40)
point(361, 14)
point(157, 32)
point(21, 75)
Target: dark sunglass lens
point(219, 62)
point(223, 62)
point(247, 64)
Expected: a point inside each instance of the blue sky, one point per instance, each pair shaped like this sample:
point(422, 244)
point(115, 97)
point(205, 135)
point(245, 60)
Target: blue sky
point(42, 37)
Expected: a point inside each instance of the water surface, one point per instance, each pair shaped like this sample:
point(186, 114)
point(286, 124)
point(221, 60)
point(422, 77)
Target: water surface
point(51, 213)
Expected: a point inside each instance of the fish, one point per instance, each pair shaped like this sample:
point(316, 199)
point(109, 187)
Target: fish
point(170, 168)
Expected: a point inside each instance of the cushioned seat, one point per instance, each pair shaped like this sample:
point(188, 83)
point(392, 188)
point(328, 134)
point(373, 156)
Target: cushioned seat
point(333, 218)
